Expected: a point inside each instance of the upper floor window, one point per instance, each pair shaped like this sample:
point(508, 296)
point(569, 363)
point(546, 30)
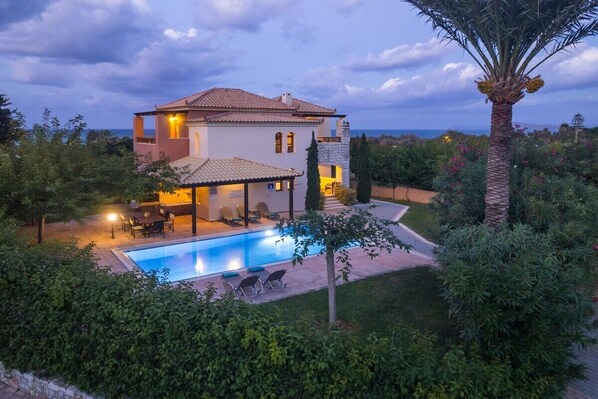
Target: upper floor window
point(291, 142)
point(196, 144)
point(278, 143)
point(175, 131)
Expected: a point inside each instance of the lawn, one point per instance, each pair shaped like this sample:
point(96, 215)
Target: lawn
point(419, 218)
point(375, 305)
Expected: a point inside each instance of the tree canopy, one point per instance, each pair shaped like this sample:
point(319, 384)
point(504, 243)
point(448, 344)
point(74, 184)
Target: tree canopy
point(336, 234)
point(508, 40)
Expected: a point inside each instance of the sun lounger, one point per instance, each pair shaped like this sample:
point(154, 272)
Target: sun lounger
point(228, 217)
point(251, 216)
point(240, 285)
point(265, 212)
point(269, 281)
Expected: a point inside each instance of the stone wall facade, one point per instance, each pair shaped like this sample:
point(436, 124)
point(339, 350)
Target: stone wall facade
point(40, 387)
point(403, 194)
point(338, 153)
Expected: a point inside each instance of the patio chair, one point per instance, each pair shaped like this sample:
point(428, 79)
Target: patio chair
point(228, 217)
point(267, 279)
point(136, 227)
point(240, 284)
point(169, 223)
point(251, 216)
point(157, 227)
point(124, 222)
point(265, 212)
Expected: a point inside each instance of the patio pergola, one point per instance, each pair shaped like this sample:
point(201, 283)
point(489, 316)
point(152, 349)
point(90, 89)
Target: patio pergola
point(208, 172)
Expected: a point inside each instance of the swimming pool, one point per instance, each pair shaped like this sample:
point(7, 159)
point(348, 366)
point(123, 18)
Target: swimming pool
point(216, 255)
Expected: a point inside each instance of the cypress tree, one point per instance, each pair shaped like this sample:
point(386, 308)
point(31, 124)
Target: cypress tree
point(364, 178)
point(312, 196)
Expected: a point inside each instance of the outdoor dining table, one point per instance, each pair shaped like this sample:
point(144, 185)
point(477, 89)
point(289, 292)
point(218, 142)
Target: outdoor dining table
point(148, 220)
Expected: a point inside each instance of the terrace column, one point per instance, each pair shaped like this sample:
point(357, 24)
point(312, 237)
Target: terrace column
point(246, 203)
point(193, 211)
point(291, 188)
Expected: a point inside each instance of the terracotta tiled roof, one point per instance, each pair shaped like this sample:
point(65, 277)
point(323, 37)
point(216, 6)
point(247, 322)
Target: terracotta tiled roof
point(230, 99)
point(202, 171)
point(257, 117)
point(308, 108)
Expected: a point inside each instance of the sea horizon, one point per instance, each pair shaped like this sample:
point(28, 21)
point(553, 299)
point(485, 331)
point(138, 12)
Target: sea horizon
point(355, 132)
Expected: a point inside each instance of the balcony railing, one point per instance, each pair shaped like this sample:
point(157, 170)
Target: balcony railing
point(329, 139)
point(145, 140)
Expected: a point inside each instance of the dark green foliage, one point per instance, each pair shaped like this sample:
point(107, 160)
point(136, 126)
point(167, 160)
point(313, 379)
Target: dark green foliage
point(11, 122)
point(345, 195)
point(461, 187)
point(364, 178)
point(312, 194)
point(52, 174)
point(517, 300)
point(126, 335)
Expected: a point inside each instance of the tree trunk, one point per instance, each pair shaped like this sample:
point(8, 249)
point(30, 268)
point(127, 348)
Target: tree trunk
point(499, 155)
point(331, 286)
point(40, 229)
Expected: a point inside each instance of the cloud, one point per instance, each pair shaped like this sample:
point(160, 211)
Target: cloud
point(177, 63)
point(87, 31)
point(402, 56)
point(452, 82)
point(178, 35)
point(578, 70)
point(12, 11)
point(348, 6)
point(33, 71)
point(246, 15)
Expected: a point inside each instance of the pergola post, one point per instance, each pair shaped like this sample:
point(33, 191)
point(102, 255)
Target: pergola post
point(246, 203)
point(291, 188)
point(193, 211)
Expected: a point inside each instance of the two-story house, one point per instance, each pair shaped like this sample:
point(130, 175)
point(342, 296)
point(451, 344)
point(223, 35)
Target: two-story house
point(242, 148)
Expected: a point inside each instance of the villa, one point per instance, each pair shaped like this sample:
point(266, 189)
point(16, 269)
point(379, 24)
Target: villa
point(241, 148)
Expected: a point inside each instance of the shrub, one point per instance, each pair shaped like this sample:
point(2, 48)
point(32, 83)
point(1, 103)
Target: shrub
point(129, 335)
point(322, 200)
point(346, 195)
point(513, 297)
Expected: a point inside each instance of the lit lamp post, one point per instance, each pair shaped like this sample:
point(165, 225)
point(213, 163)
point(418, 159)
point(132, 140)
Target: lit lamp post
point(112, 219)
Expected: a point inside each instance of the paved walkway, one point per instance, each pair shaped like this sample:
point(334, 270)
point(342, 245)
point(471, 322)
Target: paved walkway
point(7, 392)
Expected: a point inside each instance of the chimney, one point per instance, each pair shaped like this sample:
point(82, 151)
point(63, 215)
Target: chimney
point(287, 98)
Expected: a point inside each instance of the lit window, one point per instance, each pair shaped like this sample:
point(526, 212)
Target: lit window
point(291, 142)
point(278, 143)
point(278, 185)
point(289, 184)
point(174, 127)
point(197, 144)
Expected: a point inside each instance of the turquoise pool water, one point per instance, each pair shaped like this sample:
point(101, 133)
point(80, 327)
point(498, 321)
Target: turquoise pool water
point(202, 258)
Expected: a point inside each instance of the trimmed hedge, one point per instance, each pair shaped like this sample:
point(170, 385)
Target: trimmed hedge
point(134, 336)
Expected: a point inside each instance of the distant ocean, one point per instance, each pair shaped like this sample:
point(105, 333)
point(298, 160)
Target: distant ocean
point(423, 133)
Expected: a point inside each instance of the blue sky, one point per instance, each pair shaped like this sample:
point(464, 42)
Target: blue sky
point(375, 61)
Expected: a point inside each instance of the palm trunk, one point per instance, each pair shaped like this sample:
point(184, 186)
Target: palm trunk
point(499, 155)
point(331, 286)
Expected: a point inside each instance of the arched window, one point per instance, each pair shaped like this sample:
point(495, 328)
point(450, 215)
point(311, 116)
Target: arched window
point(278, 143)
point(196, 144)
point(290, 142)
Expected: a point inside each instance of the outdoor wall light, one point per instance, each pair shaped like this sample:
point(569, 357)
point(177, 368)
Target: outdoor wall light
point(112, 218)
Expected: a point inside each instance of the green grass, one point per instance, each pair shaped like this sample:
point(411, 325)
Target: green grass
point(377, 304)
point(419, 218)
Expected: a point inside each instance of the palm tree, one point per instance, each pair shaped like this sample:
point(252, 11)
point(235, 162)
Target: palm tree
point(509, 40)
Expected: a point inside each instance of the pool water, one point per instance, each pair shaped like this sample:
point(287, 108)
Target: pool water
point(202, 258)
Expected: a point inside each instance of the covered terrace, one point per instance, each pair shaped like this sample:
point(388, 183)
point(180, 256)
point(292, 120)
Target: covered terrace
point(208, 172)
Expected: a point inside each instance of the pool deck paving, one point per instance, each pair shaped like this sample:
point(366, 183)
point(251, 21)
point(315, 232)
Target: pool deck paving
point(309, 276)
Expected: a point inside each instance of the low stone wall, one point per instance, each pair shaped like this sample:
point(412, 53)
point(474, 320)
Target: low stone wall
point(40, 387)
point(404, 194)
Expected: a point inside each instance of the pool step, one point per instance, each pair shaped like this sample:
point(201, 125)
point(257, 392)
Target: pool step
point(332, 203)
